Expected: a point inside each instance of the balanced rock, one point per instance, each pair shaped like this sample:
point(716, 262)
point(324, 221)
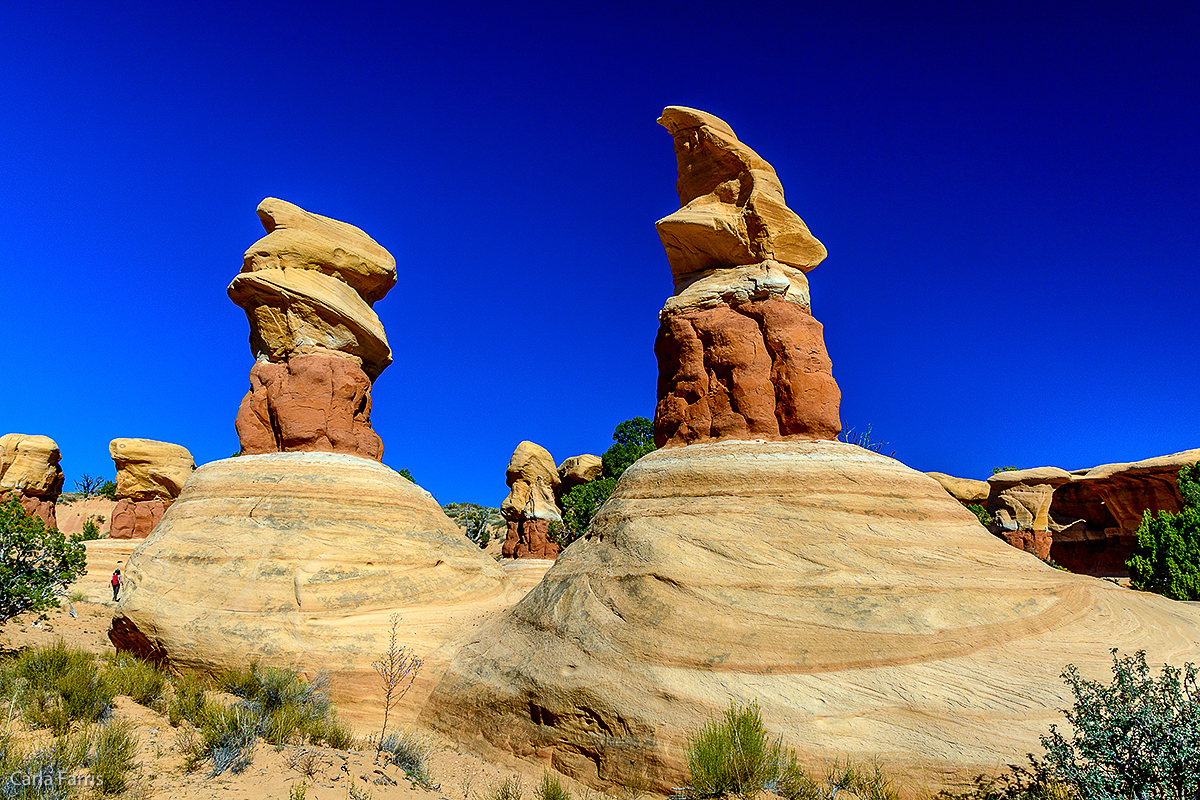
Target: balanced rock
point(307, 288)
point(296, 558)
point(531, 504)
point(29, 468)
point(578, 470)
point(150, 475)
point(740, 355)
point(1019, 502)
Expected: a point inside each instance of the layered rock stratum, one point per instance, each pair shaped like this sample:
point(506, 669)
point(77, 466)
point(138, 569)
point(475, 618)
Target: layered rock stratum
point(308, 288)
point(150, 475)
point(531, 505)
point(29, 468)
point(863, 607)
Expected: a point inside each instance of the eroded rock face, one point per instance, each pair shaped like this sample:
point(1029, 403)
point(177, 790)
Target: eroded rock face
point(578, 470)
point(317, 402)
point(29, 468)
point(1019, 502)
point(308, 288)
point(740, 355)
point(150, 475)
point(964, 490)
point(863, 607)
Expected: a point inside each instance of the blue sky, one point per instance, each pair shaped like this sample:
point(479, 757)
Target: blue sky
point(1009, 199)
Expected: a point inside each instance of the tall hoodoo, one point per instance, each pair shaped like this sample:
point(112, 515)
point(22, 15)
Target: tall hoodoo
point(150, 475)
point(308, 288)
point(29, 469)
point(740, 355)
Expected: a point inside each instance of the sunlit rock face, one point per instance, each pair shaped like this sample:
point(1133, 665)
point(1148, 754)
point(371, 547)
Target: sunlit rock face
point(150, 475)
point(308, 288)
point(754, 558)
point(29, 468)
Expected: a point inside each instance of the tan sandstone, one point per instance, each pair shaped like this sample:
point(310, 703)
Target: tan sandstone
point(148, 469)
point(29, 468)
point(964, 490)
point(862, 606)
point(578, 470)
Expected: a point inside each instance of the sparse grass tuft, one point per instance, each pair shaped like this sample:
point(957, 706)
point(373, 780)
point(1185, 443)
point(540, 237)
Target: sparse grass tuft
point(113, 758)
point(187, 699)
point(509, 790)
point(865, 783)
point(410, 753)
point(56, 685)
point(551, 788)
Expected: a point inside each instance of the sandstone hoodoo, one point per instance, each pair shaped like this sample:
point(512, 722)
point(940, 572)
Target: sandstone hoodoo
point(864, 608)
point(740, 355)
point(308, 288)
point(29, 468)
point(531, 504)
point(302, 557)
point(150, 476)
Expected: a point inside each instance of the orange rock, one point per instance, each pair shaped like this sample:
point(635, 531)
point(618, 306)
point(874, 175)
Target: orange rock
point(319, 402)
point(528, 538)
point(757, 370)
point(134, 519)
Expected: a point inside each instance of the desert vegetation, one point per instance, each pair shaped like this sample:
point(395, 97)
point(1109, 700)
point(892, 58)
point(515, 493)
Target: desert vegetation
point(1166, 558)
point(36, 562)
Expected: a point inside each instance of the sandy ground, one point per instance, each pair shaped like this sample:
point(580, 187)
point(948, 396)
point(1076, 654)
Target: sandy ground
point(327, 774)
point(71, 514)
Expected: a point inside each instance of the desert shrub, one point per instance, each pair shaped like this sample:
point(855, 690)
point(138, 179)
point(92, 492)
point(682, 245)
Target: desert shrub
point(404, 473)
point(551, 788)
point(1166, 558)
point(144, 682)
point(998, 470)
point(478, 521)
point(228, 736)
point(863, 782)
point(36, 562)
point(187, 700)
point(287, 705)
point(43, 774)
point(56, 685)
point(980, 511)
point(510, 789)
point(112, 760)
point(733, 755)
point(108, 490)
point(864, 439)
point(88, 485)
point(1136, 737)
point(397, 669)
point(410, 753)
point(90, 530)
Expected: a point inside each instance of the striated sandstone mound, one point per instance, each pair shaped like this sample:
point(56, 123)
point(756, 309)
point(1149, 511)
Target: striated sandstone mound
point(295, 558)
point(29, 467)
point(150, 475)
point(740, 355)
point(865, 609)
point(308, 288)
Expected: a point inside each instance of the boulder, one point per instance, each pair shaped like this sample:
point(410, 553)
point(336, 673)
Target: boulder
point(29, 468)
point(964, 490)
point(317, 402)
point(578, 470)
point(148, 470)
point(135, 519)
point(529, 462)
point(860, 604)
point(298, 559)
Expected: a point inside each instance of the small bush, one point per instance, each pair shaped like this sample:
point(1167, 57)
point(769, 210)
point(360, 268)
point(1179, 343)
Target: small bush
point(864, 439)
point(733, 755)
point(113, 758)
point(108, 490)
point(980, 511)
point(551, 788)
point(56, 685)
point(865, 783)
point(228, 737)
point(90, 530)
point(1166, 558)
point(411, 754)
point(41, 775)
point(144, 682)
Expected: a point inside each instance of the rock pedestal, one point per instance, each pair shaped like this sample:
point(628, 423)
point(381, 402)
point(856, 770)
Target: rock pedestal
point(29, 468)
point(740, 355)
point(308, 288)
point(531, 505)
point(150, 475)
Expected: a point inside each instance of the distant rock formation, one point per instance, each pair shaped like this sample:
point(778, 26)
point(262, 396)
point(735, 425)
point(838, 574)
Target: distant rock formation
point(862, 607)
point(150, 476)
point(307, 288)
point(536, 491)
point(1086, 520)
point(740, 355)
point(29, 468)
point(531, 505)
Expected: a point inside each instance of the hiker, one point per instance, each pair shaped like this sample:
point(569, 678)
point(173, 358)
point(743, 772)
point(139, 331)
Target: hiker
point(116, 583)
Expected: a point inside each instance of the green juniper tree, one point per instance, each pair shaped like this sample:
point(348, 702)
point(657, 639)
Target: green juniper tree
point(1166, 558)
point(36, 562)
